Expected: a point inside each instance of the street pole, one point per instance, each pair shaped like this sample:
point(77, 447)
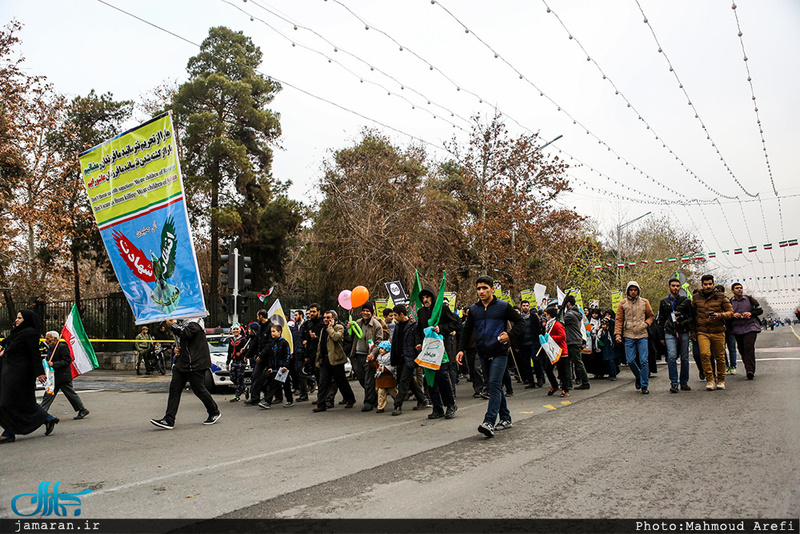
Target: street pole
point(235, 286)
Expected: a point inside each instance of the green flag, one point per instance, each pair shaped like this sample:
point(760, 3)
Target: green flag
point(436, 313)
point(414, 302)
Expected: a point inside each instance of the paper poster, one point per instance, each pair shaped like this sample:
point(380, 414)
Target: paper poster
point(616, 298)
point(136, 193)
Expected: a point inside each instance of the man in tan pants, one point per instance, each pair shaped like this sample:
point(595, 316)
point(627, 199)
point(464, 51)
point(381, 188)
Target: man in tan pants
point(711, 310)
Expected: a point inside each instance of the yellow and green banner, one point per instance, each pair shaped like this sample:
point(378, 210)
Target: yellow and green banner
point(136, 193)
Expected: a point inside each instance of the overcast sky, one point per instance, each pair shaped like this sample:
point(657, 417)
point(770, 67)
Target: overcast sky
point(450, 45)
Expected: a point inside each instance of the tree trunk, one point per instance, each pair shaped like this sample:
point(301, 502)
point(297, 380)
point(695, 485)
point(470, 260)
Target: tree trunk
point(9, 298)
point(76, 273)
point(213, 289)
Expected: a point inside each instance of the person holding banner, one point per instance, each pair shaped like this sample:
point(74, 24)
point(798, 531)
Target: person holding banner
point(20, 363)
point(191, 364)
point(442, 398)
point(60, 360)
point(556, 331)
point(488, 319)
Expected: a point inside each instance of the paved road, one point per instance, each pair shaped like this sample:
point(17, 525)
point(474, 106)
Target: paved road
point(608, 452)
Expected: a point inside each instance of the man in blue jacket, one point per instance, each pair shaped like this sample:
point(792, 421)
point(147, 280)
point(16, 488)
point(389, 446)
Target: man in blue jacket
point(488, 319)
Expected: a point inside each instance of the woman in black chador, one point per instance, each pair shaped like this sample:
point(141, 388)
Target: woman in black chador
point(20, 367)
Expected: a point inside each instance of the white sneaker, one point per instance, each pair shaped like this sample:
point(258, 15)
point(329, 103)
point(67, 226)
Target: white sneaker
point(732, 371)
point(710, 385)
point(503, 424)
point(487, 429)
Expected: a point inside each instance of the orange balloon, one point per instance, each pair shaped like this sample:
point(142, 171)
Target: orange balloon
point(359, 296)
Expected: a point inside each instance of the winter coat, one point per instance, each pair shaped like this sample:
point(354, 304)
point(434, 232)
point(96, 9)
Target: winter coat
point(371, 329)
point(194, 352)
point(236, 350)
point(488, 322)
point(559, 335)
point(333, 343)
point(311, 325)
point(573, 324)
point(634, 315)
point(276, 354)
point(746, 304)
point(409, 352)
point(61, 362)
point(683, 310)
point(448, 322)
point(715, 302)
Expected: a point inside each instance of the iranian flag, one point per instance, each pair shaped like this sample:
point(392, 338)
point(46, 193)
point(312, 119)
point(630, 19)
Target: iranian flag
point(80, 348)
point(792, 242)
point(659, 261)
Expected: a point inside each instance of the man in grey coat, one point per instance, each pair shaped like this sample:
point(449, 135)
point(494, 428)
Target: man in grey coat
point(573, 324)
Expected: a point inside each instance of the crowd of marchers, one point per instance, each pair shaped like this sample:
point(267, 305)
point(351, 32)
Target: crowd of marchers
point(493, 345)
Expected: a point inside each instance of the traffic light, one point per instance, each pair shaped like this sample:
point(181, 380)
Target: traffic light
point(244, 272)
point(227, 279)
point(227, 304)
point(241, 304)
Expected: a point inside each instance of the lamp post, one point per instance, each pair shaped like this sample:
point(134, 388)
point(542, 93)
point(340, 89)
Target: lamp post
point(619, 239)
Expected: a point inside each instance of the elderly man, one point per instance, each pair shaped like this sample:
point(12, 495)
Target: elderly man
point(363, 352)
point(59, 358)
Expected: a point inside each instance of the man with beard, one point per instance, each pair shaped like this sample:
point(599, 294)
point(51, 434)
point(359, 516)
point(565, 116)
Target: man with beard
point(444, 404)
point(711, 310)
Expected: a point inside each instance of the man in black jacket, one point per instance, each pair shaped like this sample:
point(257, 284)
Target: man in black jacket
point(573, 324)
point(259, 380)
point(674, 318)
point(404, 353)
point(191, 364)
point(59, 358)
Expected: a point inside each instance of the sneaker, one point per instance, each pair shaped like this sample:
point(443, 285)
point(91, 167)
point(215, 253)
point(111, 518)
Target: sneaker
point(503, 424)
point(397, 411)
point(612, 378)
point(721, 385)
point(436, 415)
point(710, 385)
point(247, 394)
point(212, 419)
point(330, 405)
point(727, 370)
point(82, 414)
point(732, 371)
point(264, 405)
point(552, 390)
point(685, 387)
point(450, 412)
point(302, 398)
point(645, 391)
point(564, 393)
point(420, 406)
point(162, 423)
point(487, 429)
point(673, 389)
point(235, 399)
point(288, 404)
point(585, 385)
point(750, 376)
point(510, 394)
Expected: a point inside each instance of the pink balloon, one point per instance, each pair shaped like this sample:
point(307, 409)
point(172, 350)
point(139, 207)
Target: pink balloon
point(344, 299)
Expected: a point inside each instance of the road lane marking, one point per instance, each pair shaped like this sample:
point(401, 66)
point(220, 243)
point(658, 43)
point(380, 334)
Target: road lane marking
point(795, 333)
point(566, 403)
point(550, 407)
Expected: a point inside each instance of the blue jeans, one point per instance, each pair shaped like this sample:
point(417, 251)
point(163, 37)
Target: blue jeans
point(730, 341)
point(641, 370)
point(678, 347)
point(494, 370)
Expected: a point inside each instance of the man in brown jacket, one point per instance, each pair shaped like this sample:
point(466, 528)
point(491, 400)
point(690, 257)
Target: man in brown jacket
point(634, 315)
point(711, 310)
point(330, 362)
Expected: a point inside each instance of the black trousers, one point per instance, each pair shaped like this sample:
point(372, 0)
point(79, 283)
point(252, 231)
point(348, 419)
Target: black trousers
point(335, 373)
point(196, 380)
point(406, 378)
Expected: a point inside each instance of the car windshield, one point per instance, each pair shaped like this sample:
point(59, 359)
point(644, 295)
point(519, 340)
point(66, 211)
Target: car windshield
point(218, 344)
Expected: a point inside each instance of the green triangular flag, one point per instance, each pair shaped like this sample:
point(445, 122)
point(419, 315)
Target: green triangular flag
point(436, 313)
point(414, 302)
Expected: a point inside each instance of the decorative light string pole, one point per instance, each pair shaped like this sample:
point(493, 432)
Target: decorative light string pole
point(619, 241)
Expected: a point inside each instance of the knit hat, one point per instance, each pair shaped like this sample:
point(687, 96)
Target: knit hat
point(255, 327)
point(368, 306)
point(385, 345)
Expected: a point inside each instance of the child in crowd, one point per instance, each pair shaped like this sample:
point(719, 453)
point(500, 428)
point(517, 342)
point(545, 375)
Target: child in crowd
point(277, 360)
point(559, 335)
point(236, 360)
point(385, 381)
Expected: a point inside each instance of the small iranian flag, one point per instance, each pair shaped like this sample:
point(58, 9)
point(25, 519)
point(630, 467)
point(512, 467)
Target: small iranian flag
point(80, 348)
point(644, 262)
point(698, 256)
point(598, 267)
point(659, 262)
point(768, 246)
point(712, 254)
point(752, 248)
point(783, 244)
point(685, 258)
point(672, 260)
point(792, 242)
point(726, 251)
point(620, 266)
point(737, 251)
point(631, 264)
